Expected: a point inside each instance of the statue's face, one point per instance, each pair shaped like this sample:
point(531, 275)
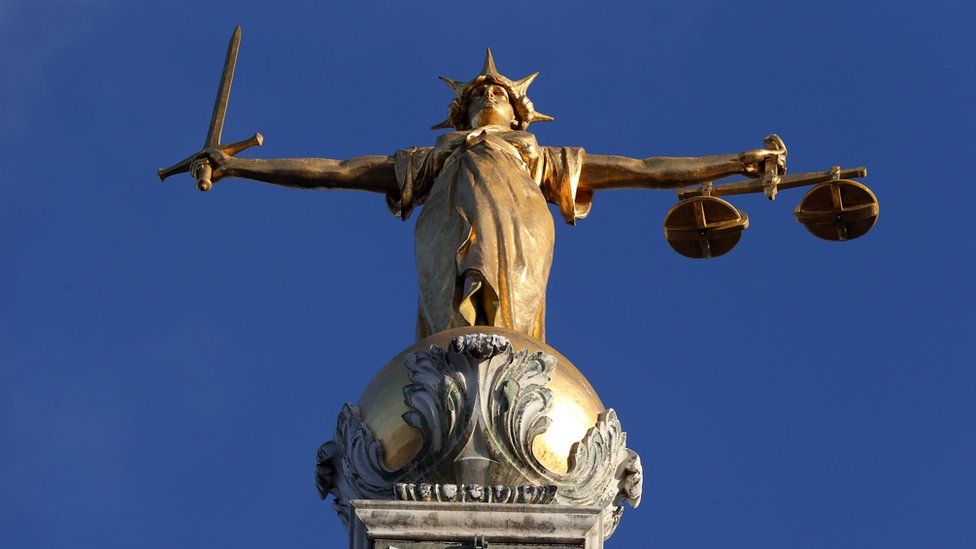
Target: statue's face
point(488, 105)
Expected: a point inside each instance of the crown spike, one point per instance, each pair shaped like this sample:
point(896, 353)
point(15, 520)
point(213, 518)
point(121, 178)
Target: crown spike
point(524, 110)
point(522, 85)
point(445, 124)
point(489, 67)
point(456, 87)
point(537, 116)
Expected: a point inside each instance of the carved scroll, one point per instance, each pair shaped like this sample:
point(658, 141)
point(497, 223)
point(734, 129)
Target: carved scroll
point(480, 387)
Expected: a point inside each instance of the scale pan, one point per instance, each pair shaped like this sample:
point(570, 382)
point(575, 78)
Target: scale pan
point(838, 210)
point(704, 226)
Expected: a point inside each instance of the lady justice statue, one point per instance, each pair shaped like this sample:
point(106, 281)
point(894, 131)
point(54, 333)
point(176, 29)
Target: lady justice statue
point(479, 424)
point(484, 237)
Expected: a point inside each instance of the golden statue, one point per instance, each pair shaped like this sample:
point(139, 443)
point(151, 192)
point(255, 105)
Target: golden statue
point(492, 413)
point(484, 237)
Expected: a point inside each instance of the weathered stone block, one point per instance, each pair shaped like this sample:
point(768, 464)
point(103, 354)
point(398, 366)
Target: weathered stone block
point(377, 524)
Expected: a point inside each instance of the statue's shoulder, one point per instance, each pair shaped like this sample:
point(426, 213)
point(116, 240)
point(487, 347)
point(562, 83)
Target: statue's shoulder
point(523, 141)
point(450, 138)
point(521, 136)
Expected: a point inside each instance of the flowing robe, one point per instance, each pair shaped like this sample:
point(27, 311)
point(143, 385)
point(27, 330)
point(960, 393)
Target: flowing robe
point(484, 238)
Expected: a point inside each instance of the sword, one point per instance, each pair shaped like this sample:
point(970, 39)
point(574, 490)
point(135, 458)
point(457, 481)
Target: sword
point(196, 164)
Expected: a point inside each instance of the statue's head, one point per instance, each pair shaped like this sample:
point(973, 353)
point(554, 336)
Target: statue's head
point(489, 104)
point(491, 99)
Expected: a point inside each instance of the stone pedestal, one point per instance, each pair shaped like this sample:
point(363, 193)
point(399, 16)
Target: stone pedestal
point(479, 436)
point(377, 524)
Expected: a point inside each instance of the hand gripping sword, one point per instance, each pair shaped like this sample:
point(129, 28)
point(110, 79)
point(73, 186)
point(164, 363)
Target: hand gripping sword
point(197, 164)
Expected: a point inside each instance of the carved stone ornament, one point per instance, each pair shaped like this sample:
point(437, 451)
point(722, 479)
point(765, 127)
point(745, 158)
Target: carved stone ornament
point(463, 493)
point(479, 405)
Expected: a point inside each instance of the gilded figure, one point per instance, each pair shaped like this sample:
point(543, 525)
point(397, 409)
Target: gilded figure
point(484, 233)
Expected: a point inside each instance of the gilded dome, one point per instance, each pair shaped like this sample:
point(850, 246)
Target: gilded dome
point(575, 406)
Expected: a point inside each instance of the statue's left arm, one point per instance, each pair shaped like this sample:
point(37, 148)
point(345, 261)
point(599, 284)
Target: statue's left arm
point(601, 171)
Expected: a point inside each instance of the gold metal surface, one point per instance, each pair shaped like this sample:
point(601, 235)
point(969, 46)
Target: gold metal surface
point(198, 165)
point(704, 227)
point(838, 210)
point(575, 405)
point(519, 112)
point(484, 238)
point(747, 186)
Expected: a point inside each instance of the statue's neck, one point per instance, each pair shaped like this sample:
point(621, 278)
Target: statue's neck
point(492, 128)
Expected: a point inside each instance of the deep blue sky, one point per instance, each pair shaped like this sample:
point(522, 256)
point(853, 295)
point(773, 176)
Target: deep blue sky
point(171, 360)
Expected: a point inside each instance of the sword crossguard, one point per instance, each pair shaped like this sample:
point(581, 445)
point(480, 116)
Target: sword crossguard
point(199, 167)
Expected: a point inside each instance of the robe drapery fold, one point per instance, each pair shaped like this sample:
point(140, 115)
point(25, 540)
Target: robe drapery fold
point(484, 238)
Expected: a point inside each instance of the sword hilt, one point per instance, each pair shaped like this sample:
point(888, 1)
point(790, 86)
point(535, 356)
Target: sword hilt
point(202, 172)
point(200, 168)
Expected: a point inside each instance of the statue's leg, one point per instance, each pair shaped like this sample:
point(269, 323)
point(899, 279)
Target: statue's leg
point(468, 306)
point(478, 303)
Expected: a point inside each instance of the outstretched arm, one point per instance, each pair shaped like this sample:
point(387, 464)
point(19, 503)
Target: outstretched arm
point(363, 173)
point(619, 172)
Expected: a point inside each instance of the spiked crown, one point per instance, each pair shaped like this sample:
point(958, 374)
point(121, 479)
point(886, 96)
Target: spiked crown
point(525, 113)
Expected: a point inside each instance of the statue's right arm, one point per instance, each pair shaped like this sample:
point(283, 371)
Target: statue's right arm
point(363, 173)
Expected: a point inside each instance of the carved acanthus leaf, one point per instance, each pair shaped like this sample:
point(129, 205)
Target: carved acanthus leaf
point(360, 464)
point(517, 406)
point(593, 463)
point(439, 402)
point(480, 383)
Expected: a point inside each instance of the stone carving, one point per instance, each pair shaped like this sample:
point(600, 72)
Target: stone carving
point(475, 493)
point(631, 479)
point(352, 466)
point(439, 399)
point(479, 405)
point(325, 480)
point(517, 406)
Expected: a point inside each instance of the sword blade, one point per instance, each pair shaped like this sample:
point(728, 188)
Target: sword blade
point(223, 92)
